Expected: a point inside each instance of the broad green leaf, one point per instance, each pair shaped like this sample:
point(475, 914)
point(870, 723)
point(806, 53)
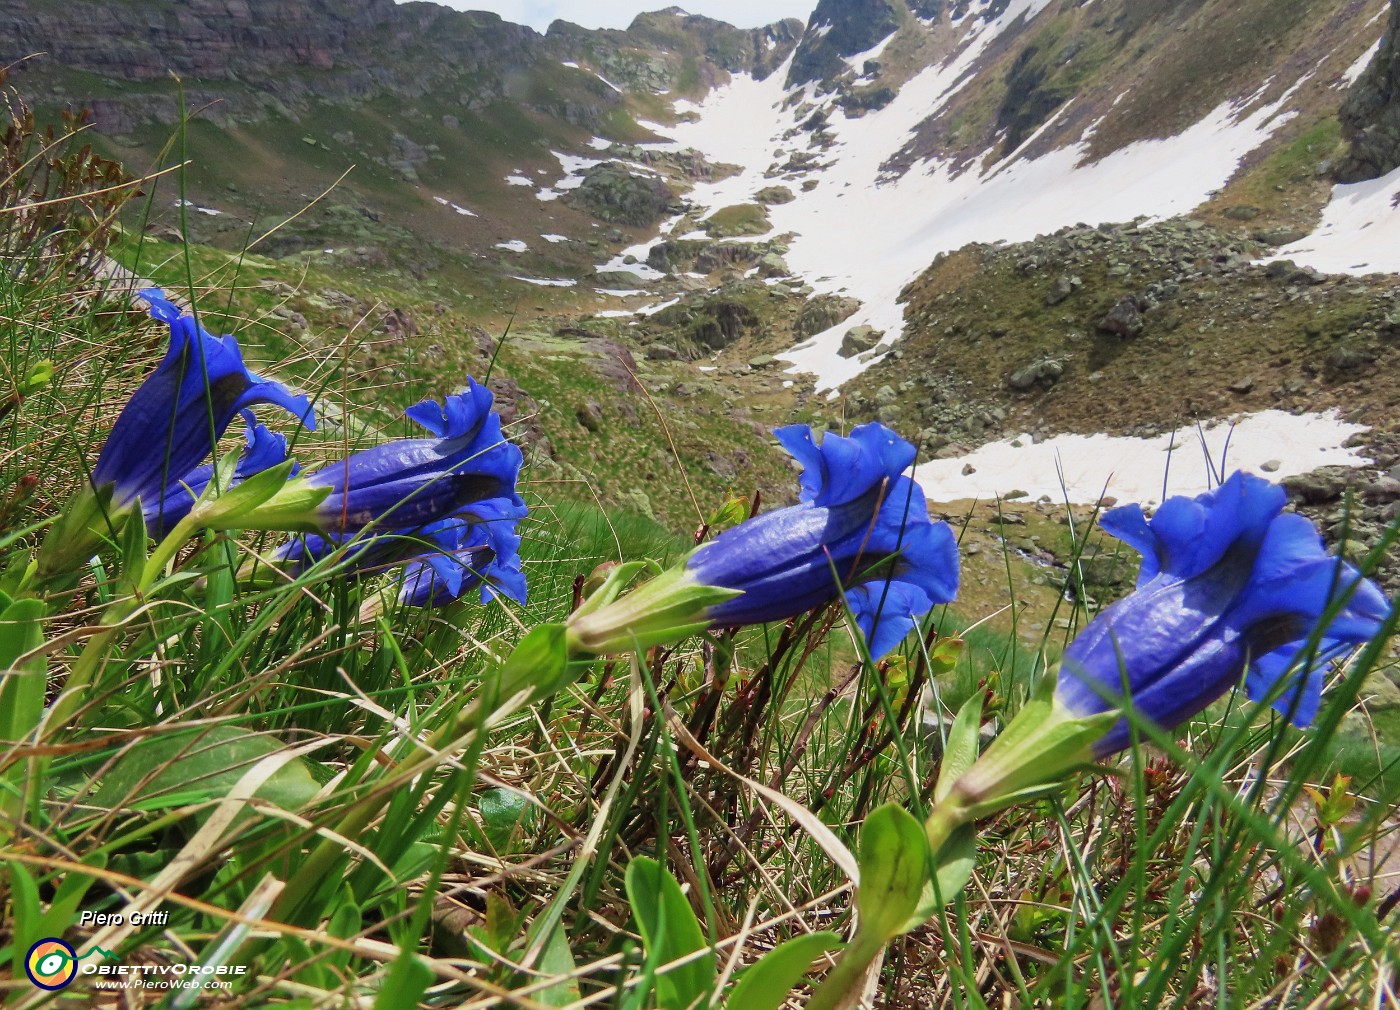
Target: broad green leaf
point(229, 507)
point(767, 983)
point(961, 750)
point(894, 860)
point(670, 931)
point(501, 810)
point(953, 864)
point(557, 961)
point(193, 765)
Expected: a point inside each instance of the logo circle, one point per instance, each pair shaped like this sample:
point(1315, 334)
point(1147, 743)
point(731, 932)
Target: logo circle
point(51, 963)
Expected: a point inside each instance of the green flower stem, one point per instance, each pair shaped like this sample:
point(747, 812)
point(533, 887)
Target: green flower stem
point(841, 988)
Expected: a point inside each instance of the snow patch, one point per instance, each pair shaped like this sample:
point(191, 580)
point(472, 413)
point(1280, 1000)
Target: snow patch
point(210, 211)
point(1083, 468)
point(455, 207)
point(517, 179)
point(514, 245)
point(1359, 232)
point(555, 239)
point(857, 62)
point(1359, 67)
point(547, 282)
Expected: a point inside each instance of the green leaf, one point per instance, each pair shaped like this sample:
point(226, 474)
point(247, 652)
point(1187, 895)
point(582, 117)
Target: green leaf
point(953, 864)
point(131, 548)
point(557, 961)
point(24, 905)
point(501, 810)
point(21, 687)
point(408, 979)
point(961, 751)
point(68, 897)
point(734, 510)
point(894, 860)
point(766, 984)
point(195, 765)
point(670, 931)
point(943, 657)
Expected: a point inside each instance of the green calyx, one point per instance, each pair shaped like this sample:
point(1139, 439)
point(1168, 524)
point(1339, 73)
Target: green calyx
point(1041, 747)
point(665, 609)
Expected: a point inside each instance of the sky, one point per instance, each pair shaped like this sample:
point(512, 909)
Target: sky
point(619, 13)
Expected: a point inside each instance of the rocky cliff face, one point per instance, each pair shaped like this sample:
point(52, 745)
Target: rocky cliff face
point(1371, 114)
point(201, 39)
point(839, 29)
point(243, 58)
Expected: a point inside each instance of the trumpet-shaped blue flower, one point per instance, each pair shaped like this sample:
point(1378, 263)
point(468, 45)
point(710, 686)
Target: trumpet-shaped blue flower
point(1228, 582)
point(375, 549)
point(171, 423)
point(262, 449)
point(411, 482)
point(861, 532)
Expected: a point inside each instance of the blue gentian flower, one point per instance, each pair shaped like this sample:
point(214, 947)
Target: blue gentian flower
point(172, 422)
point(372, 550)
point(1228, 582)
point(861, 533)
point(411, 482)
point(262, 449)
point(466, 555)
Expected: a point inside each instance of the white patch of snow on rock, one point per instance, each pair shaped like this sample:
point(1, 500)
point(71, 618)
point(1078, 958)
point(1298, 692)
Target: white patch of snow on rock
point(1359, 232)
point(547, 282)
point(1358, 68)
point(516, 179)
point(554, 239)
point(1083, 468)
point(513, 245)
point(857, 61)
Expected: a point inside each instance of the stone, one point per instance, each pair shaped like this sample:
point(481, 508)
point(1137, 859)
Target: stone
point(1063, 287)
point(1243, 384)
point(1123, 320)
point(1316, 487)
point(1279, 236)
point(968, 469)
point(859, 338)
point(589, 414)
point(822, 313)
point(761, 361)
point(1045, 372)
point(1382, 489)
point(1270, 465)
point(662, 352)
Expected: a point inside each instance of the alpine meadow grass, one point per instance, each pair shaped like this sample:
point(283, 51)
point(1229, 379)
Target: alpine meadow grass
point(307, 740)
